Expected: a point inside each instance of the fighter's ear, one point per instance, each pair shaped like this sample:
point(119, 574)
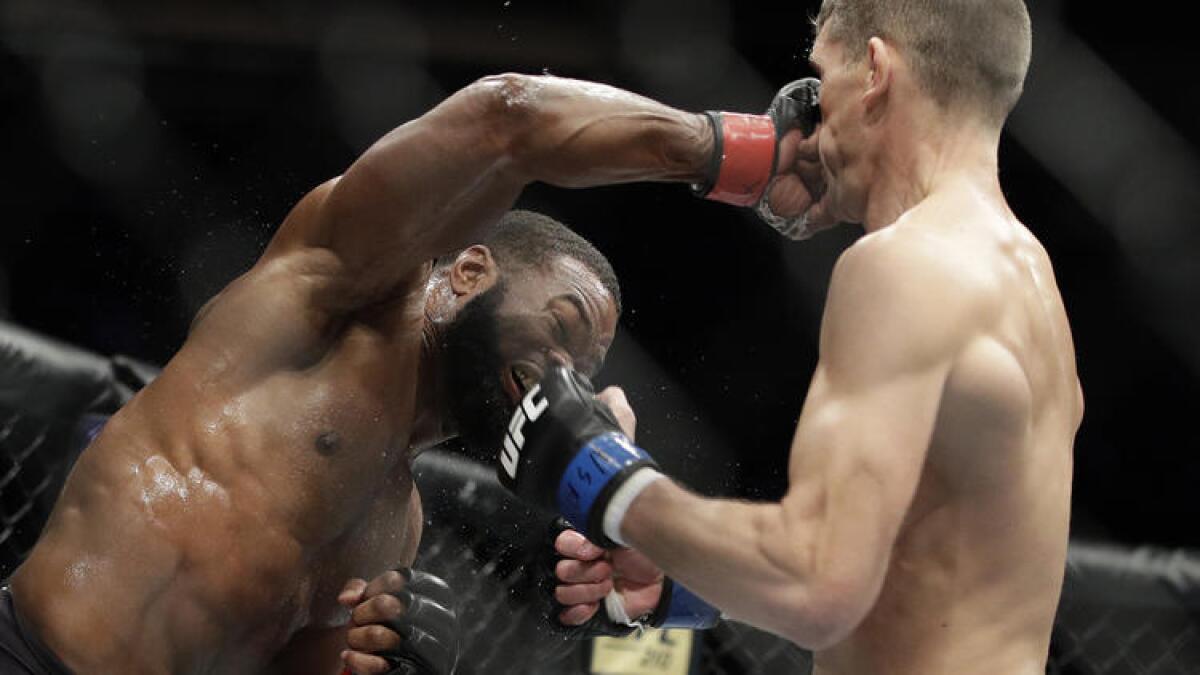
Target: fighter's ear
point(473, 271)
point(881, 62)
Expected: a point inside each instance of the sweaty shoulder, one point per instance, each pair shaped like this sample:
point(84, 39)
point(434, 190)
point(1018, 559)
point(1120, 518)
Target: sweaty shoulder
point(302, 250)
point(296, 298)
point(907, 294)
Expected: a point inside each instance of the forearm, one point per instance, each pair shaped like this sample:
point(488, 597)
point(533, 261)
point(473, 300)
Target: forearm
point(432, 185)
point(574, 133)
point(734, 555)
point(570, 133)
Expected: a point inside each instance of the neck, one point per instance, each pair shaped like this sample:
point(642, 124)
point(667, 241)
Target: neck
point(430, 424)
point(924, 159)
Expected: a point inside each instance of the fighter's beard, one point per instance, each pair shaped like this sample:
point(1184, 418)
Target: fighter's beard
point(475, 396)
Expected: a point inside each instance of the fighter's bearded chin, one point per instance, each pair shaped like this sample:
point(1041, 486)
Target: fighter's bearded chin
point(479, 407)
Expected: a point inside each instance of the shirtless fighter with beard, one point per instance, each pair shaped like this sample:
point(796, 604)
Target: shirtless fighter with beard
point(211, 524)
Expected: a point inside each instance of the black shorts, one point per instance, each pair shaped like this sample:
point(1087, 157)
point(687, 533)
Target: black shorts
point(21, 652)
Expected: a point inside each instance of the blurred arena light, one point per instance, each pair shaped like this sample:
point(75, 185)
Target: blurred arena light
point(213, 259)
point(92, 87)
point(5, 293)
point(674, 424)
point(682, 51)
point(373, 62)
point(1125, 165)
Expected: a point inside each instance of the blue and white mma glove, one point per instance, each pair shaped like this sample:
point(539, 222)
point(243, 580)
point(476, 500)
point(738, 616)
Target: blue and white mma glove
point(565, 452)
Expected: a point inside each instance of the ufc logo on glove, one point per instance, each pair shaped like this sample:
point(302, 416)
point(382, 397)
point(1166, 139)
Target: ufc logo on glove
point(531, 408)
point(565, 451)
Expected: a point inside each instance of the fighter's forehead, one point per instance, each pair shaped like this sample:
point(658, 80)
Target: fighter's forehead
point(569, 287)
point(580, 278)
point(580, 293)
point(588, 293)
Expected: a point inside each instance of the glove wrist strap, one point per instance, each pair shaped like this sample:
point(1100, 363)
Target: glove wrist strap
point(597, 472)
point(614, 606)
point(744, 148)
point(623, 498)
point(680, 608)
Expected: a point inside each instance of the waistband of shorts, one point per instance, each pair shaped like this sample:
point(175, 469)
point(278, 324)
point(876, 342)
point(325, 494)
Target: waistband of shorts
point(46, 658)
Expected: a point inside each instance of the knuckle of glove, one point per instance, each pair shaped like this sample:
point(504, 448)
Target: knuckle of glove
point(567, 398)
point(428, 653)
point(426, 619)
point(399, 667)
point(404, 596)
point(582, 384)
point(606, 413)
point(432, 587)
point(797, 106)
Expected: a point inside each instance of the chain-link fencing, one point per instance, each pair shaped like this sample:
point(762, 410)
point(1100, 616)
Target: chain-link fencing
point(1123, 612)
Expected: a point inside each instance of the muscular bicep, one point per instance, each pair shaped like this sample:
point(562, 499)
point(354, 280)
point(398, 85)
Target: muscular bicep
point(857, 459)
point(428, 187)
point(889, 339)
point(433, 185)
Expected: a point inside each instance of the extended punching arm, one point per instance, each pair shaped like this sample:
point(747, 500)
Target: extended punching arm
point(746, 154)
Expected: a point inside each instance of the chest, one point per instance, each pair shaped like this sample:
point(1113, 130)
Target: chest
point(385, 536)
point(309, 448)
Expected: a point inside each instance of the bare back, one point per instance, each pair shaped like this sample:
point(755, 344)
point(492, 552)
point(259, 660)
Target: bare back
point(219, 512)
point(974, 576)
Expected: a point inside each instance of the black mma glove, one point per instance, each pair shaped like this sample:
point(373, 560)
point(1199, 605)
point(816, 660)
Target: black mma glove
point(746, 152)
point(428, 627)
point(565, 452)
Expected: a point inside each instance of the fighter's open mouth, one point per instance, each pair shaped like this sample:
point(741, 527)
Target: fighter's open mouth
point(524, 378)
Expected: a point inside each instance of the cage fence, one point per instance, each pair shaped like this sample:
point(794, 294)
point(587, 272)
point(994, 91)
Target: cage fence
point(1123, 611)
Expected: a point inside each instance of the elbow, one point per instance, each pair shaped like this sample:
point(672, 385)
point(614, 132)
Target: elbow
point(509, 106)
point(812, 600)
point(818, 615)
point(514, 90)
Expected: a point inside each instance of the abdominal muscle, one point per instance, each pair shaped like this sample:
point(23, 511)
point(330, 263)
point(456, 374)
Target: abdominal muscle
point(962, 595)
point(148, 567)
point(151, 572)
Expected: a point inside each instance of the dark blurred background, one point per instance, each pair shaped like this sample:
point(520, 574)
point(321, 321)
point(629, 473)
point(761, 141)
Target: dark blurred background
point(149, 149)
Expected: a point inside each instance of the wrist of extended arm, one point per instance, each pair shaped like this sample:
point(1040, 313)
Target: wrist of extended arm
point(743, 158)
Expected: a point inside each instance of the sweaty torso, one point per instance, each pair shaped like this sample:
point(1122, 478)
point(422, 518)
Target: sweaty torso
point(220, 511)
point(975, 574)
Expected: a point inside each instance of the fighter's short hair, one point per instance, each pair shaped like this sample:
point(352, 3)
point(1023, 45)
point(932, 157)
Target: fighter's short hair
point(524, 239)
point(964, 52)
